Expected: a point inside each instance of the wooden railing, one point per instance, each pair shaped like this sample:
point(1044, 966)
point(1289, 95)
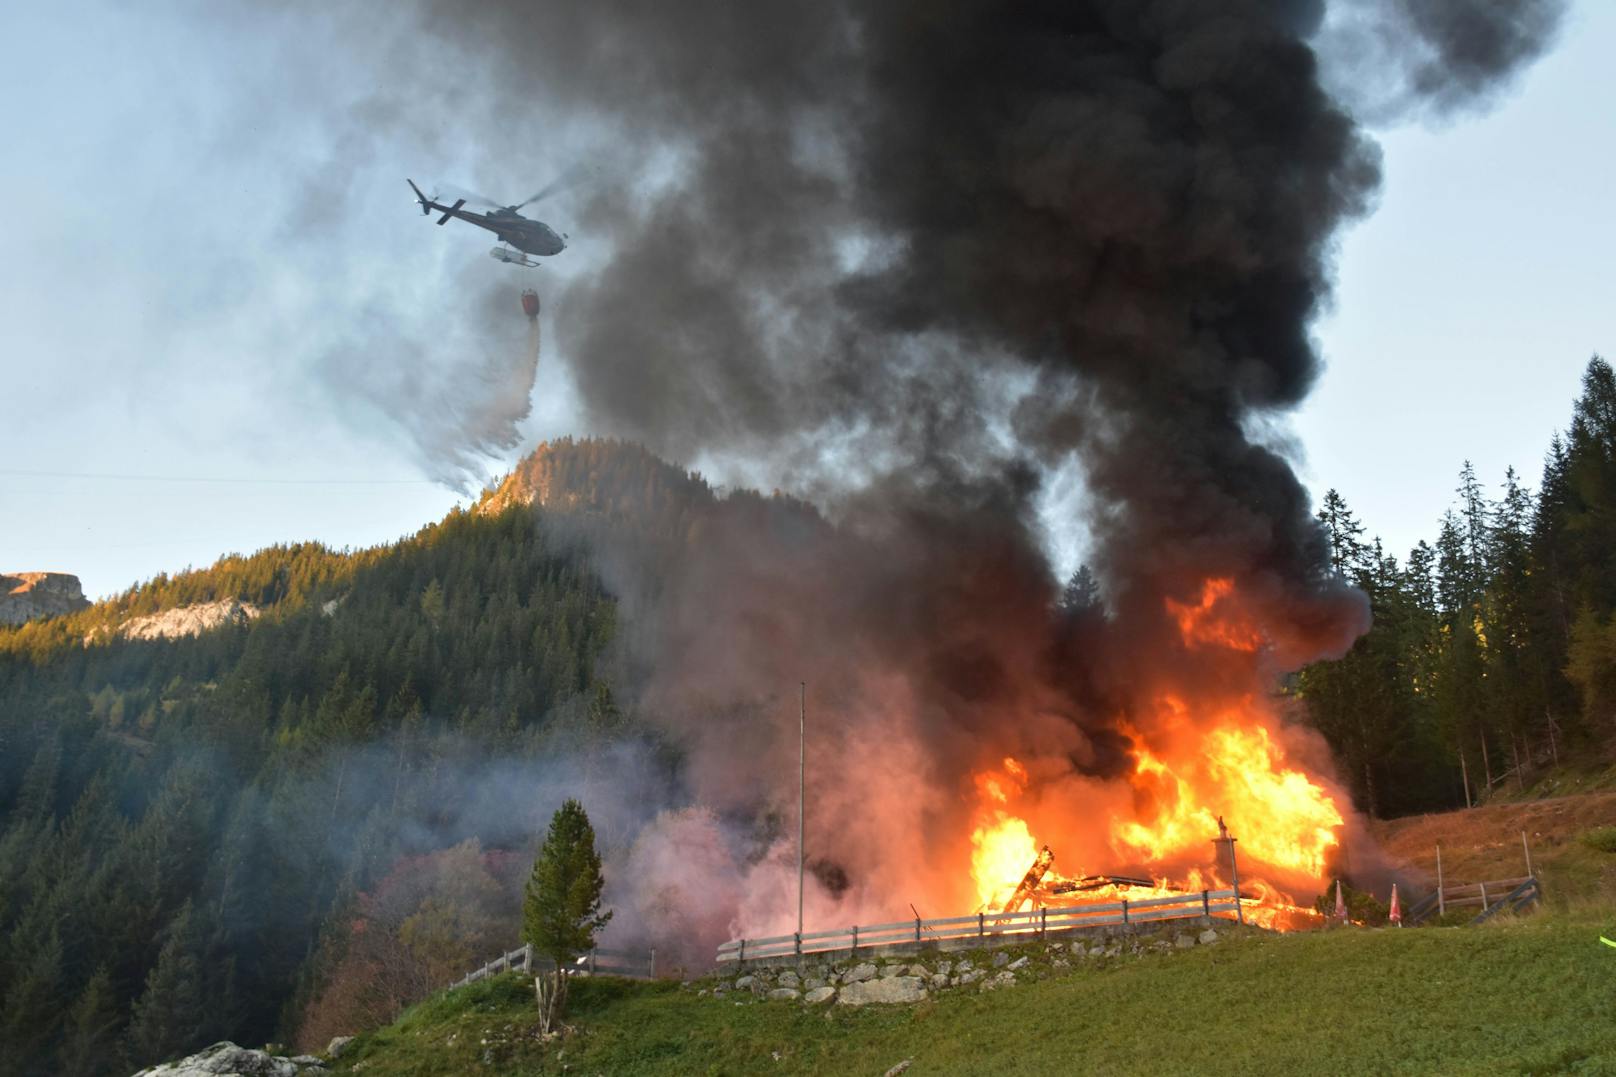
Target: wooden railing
point(1518, 893)
point(637, 965)
point(984, 926)
point(1514, 901)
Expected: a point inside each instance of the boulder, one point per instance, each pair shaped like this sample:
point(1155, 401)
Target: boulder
point(859, 973)
point(745, 983)
point(1018, 963)
point(1003, 979)
point(945, 967)
point(1001, 959)
point(889, 989)
point(337, 1045)
point(785, 994)
point(818, 995)
point(788, 979)
point(227, 1060)
point(939, 981)
point(1208, 937)
point(1184, 942)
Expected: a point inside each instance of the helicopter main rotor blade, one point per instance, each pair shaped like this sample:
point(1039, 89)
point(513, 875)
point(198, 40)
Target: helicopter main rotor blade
point(454, 191)
point(555, 186)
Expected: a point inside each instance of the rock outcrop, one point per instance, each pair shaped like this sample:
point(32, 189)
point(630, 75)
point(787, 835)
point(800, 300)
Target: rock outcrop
point(189, 620)
point(25, 596)
point(885, 991)
point(227, 1060)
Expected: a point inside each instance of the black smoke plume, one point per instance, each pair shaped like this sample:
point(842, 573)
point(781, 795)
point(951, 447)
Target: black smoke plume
point(914, 259)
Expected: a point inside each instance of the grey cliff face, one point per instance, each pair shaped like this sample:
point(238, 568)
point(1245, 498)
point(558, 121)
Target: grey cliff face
point(26, 596)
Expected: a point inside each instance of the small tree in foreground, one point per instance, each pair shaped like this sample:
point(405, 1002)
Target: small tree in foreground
point(561, 907)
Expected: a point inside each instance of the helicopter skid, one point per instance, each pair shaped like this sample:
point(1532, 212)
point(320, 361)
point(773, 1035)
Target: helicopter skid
point(510, 257)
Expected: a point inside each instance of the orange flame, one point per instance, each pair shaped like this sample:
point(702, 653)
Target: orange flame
point(1001, 852)
point(1213, 622)
point(1194, 762)
point(1002, 847)
point(1235, 770)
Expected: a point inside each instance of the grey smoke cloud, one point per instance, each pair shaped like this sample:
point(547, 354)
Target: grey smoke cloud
point(1393, 60)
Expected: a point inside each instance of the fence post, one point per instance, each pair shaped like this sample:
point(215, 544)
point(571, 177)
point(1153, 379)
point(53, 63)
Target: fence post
point(1483, 897)
point(917, 929)
point(1528, 850)
point(1234, 873)
point(740, 958)
point(1441, 898)
point(1043, 921)
point(853, 949)
point(1206, 905)
point(1124, 912)
point(981, 925)
point(798, 937)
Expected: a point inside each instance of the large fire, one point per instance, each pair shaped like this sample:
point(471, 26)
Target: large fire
point(1198, 765)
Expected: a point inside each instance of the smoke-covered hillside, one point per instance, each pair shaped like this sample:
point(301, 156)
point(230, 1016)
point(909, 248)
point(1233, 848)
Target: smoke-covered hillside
point(181, 819)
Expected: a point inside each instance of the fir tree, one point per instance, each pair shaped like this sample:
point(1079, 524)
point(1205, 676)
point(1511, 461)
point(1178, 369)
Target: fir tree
point(168, 1016)
point(561, 906)
point(90, 1047)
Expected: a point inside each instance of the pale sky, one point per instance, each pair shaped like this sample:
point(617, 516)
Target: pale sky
point(207, 297)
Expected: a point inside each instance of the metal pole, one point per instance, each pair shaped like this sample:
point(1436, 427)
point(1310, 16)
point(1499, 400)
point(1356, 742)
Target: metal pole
point(802, 785)
point(1528, 850)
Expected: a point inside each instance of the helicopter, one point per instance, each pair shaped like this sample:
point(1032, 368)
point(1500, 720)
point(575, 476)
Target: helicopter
point(529, 237)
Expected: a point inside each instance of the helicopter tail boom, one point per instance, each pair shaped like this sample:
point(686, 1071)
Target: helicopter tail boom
point(422, 200)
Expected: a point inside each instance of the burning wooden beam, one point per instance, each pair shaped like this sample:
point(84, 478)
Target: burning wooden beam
point(1029, 882)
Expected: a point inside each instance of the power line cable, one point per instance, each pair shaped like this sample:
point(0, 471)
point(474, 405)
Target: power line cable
point(237, 480)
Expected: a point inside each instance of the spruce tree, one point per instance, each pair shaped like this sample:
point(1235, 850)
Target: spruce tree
point(90, 1047)
point(168, 1016)
point(561, 907)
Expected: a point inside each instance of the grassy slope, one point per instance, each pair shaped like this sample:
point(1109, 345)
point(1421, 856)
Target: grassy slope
point(1532, 996)
point(1485, 843)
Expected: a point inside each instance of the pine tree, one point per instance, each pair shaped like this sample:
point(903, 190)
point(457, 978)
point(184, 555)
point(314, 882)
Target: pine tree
point(561, 906)
point(90, 1047)
point(1081, 595)
point(168, 1016)
point(1344, 534)
point(31, 1012)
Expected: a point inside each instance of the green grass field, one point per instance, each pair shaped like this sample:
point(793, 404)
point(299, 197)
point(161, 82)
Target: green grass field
point(1536, 995)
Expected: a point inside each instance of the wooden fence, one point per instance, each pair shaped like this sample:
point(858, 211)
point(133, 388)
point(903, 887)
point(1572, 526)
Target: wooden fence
point(641, 966)
point(1516, 893)
point(1039, 922)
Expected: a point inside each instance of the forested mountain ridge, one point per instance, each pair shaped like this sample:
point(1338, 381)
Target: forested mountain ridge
point(180, 819)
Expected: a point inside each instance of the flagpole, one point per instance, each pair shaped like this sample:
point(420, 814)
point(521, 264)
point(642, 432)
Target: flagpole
point(802, 785)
